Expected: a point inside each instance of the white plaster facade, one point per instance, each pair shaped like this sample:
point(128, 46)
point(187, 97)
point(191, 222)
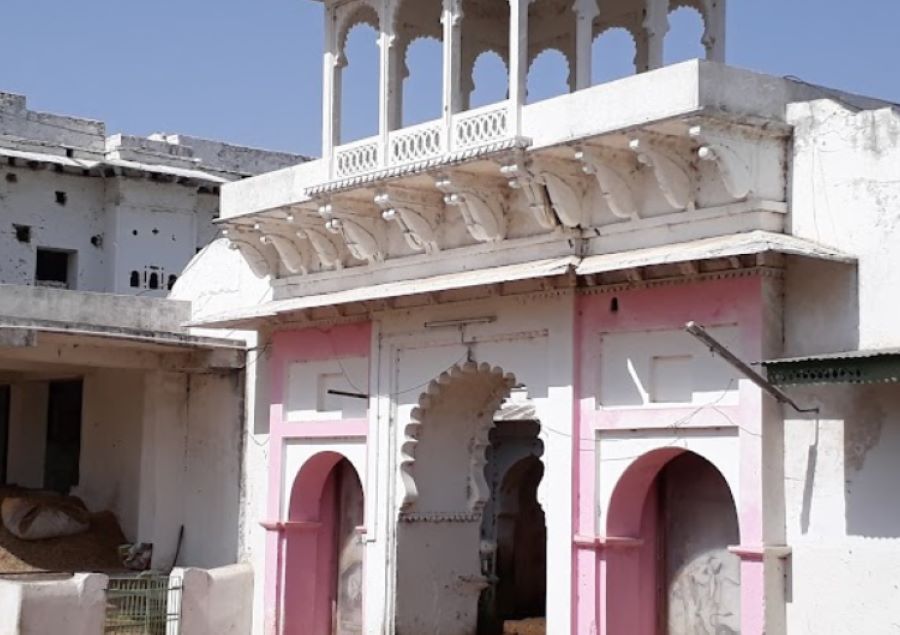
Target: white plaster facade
point(161, 417)
point(564, 249)
point(118, 208)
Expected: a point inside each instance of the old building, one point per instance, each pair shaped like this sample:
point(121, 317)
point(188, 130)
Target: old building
point(104, 395)
point(474, 402)
point(120, 214)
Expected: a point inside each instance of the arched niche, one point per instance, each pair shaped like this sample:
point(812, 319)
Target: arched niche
point(484, 28)
point(670, 523)
point(686, 34)
point(551, 31)
point(488, 81)
point(446, 489)
point(358, 72)
point(549, 75)
point(419, 36)
point(322, 566)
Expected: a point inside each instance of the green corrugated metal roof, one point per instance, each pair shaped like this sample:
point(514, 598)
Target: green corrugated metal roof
point(855, 367)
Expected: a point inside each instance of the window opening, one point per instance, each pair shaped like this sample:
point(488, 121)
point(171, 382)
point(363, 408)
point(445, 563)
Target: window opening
point(612, 56)
point(53, 268)
point(684, 41)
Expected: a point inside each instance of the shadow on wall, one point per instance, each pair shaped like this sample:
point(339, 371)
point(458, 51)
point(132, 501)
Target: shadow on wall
point(871, 469)
point(869, 420)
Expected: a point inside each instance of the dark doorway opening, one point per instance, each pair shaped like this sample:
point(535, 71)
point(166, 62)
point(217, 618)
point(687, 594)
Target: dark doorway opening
point(4, 431)
point(61, 464)
point(514, 527)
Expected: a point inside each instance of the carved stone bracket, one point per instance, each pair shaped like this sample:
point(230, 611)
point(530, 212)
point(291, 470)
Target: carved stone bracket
point(250, 248)
point(551, 188)
point(671, 173)
point(328, 254)
point(418, 215)
point(356, 231)
point(520, 177)
point(293, 258)
point(615, 186)
point(481, 207)
point(733, 168)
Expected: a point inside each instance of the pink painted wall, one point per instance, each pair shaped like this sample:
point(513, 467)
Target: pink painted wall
point(602, 550)
point(297, 526)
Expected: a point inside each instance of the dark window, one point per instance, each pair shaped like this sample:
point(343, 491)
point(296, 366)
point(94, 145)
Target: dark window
point(52, 267)
point(172, 280)
point(154, 281)
point(135, 280)
point(11, 178)
point(23, 233)
point(61, 463)
point(61, 198)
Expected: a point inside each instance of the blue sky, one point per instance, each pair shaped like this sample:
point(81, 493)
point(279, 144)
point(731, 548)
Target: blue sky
point(248, 71)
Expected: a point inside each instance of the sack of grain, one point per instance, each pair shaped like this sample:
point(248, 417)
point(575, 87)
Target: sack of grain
point(43, 517)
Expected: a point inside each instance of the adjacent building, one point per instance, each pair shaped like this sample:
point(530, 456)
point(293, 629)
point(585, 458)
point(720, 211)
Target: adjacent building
point(103, 393)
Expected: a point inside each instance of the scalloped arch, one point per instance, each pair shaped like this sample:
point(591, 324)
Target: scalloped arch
point(479, 490)
point(547, 50)
point(362, 13)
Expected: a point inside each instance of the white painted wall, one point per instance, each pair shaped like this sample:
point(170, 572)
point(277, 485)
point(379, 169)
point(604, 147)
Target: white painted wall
point(840, 467)
point(27, 433)
point(111, 445)
point(217, 601)
point(75, 606)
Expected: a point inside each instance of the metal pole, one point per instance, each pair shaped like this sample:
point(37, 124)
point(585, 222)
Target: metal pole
point(717, 347)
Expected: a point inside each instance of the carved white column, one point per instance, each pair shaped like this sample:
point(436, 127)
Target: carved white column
point(331, 86)
point(585, 13)
point(714, 36)
point(518, 61)
point(451, 19)
point(656, 25)
point(387, 93)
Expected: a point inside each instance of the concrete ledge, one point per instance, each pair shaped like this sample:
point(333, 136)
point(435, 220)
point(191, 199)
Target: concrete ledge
point(75, 605)
point(217, 601)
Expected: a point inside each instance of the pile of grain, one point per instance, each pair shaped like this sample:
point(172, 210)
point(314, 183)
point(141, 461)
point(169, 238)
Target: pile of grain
point(94, 550)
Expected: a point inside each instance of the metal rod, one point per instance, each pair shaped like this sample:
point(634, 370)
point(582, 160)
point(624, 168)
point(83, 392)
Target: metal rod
point(717, 347)
point(352, 395)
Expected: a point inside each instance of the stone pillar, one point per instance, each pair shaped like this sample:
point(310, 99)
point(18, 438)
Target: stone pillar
point(387, 94)
point(656, 25)
point(585, 13)
point(331, 86)
point(451, 19)
point(714, 35)
point(518, 61)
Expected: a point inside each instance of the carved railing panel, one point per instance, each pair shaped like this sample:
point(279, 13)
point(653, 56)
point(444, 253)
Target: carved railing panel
point(416, 143)
point(480, 126)
point(356, 158)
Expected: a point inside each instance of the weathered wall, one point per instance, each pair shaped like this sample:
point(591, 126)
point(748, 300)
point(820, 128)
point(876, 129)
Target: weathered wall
point(218, 601)
point(212, 469)
point(119, 204)
point(840, 466)
point(75, 605)
point(111, 445)
point(27, 433)
point(846, 167)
